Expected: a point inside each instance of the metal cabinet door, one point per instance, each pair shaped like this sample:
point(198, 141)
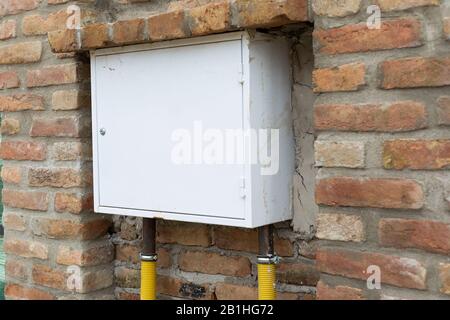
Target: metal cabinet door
point(145, 99)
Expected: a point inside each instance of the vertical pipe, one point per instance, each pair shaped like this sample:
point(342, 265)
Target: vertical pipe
point(266, 264)
point(148, 260)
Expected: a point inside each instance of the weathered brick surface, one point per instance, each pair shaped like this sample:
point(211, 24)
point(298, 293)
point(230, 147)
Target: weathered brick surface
point(332, 8)
point(400, 33)
point(19, 292)
point(433, 236)
point(347, 154)
point(128, 31)
point(392, 117)
point(53, 75)
point(10, 126)
point(214, 263)
point(394, 5)
point(14, 222)
point(21, 102)
point(339, 292)
point(26, 249)
point(25, 52)
point(444, 110)
point(171, 25)
point(340, 227)
point(298, 273)
point(395, 270)
point(9, 79)
point(11, 174)
point(190, 234)
point(349, 77)
point(444, 276)
point(67, 229)
point(25, 199)
point(8, 29)
point(415, 72)
point(416, 154)
point(85, 256)
point(17, 269)
point(377, 193)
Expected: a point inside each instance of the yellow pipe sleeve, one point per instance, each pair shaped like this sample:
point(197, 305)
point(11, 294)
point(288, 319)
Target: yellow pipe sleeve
point(267, 282)
point(148, 280)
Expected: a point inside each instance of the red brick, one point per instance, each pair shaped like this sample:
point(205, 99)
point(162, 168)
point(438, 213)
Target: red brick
point(396, 271)
point(53, 75)
point(58, 127)
point(415, 72)
point(23, 150)
point(393, 117)
point(9, 79)
point(432, 236)
point(169, 25)
point(228, 291)
point(11, 174)
point(85, 256)
point(73, 203)
point(128, 31)
point(399, 33)
point(370, 192)
point(271, 13)
point(164, 258)
point(247, 240)
point(21, 102)
point(125, 295)
point(25, 200)
point(26, 248)
point(298, 273)
point(395, 5)
point(7, 29)
point(214, 263)
point(210, 18)
point(16, 6)
point(338, 292)
point(39, 25)
point(17, 269)
point(67, 229)
point(416, 154)
point(444, 110)
point(48, 277)
point(18, 292)
point(95, 36)
point(190, 234)
point(14, 222)
point(19, 53)
point(348, 77)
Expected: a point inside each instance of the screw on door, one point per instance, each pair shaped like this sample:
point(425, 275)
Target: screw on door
point(102, 131)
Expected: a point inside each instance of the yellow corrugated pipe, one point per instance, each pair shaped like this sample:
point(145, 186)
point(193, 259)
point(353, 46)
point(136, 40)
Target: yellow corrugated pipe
point(267, 281)
point(148, 280)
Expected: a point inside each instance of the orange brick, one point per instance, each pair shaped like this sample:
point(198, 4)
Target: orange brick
point(17, 269)
point(9, 79)
point(370, 192)
point(92, 256)
point(400, 33)
point(21, 102)
point(54, 75)
point(170, 25)
point(73, 203)
point(25, 200)
point(190, 234)
point(11, 174)
point(392, 117)
point(95, 36)
point(210, 18)
point(18, 53)
point(57, 127)
point(349, 77)
point(7, 29)
point(16, 6)
point(63, 40)
point(23, 150)
point(415, 72)
point(14, 222)
point(26, 249)
point(128, 31)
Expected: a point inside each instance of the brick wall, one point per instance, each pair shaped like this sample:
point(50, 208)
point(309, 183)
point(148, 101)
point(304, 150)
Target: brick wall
point(372, 140)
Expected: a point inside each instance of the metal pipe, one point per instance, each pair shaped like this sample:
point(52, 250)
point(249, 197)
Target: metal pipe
point(267, 261)
point(148, 260)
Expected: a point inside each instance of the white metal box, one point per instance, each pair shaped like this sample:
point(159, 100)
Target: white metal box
point(178, 130)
